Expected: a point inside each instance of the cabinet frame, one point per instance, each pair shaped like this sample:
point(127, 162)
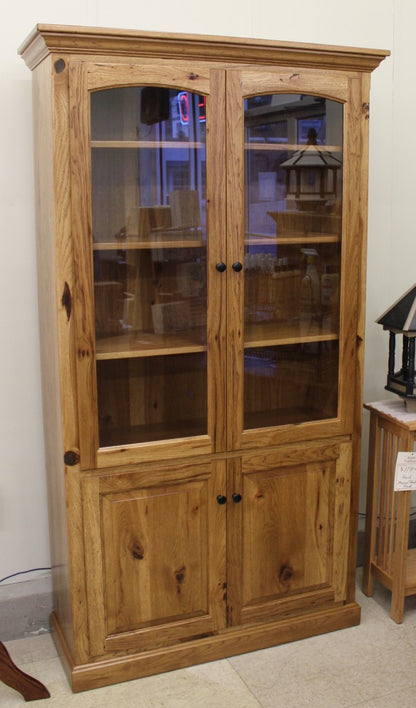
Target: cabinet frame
point(53, 52)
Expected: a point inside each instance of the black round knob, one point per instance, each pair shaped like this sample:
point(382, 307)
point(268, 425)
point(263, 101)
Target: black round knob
point(221, 267)
point(236, 497)
point(221, 499)
point(237, 266)
point(71, 458)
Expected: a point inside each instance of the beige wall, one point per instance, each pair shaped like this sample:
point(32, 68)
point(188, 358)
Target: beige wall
point(375, 23)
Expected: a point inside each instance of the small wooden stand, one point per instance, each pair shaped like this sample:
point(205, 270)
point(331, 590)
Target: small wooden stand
point(30, 688)
point(386, 555)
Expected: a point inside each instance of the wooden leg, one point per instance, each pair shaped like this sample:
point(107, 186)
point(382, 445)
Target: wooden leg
point(371, 510)
point(398, 592)
point(30, 688)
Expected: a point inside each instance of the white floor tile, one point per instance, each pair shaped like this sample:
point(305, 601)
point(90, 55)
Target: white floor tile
point(29, 649)
point(369, 666)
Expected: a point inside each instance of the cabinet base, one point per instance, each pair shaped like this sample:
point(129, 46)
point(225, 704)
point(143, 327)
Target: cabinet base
point(231, 642)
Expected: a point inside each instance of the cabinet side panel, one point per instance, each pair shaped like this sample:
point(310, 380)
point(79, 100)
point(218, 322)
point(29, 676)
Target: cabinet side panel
point(54, 271)
point(361, 92)
point(64, 266)
point(52, 408)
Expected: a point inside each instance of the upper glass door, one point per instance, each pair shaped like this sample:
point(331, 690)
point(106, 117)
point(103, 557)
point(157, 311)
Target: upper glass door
point(289, 244)
point(145, 290)
point(150, 258)
point(292, 257)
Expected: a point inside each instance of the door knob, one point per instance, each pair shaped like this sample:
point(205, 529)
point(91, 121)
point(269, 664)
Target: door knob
point(237, 266)
point(236, 497)
point(221, 499)
point(221, 267)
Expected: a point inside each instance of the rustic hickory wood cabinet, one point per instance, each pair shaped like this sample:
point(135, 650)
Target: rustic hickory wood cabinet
point(201, 242)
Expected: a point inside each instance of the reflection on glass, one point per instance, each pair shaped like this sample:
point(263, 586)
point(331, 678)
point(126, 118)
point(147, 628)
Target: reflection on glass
point(149, 252)
point(148, 164)
point(293, 210)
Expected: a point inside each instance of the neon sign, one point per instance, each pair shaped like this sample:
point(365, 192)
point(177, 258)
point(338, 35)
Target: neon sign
point(184, 112)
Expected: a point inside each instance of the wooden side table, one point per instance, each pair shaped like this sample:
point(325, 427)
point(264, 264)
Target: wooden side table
point(386, 554)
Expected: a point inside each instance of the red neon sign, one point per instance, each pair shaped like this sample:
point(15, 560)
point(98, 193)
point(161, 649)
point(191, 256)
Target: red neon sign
point(202, 106)
point(183, 104)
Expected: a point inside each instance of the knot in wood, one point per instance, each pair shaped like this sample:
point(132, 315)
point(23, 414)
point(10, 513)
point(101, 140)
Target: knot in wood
point(285, 574)
point(137, 551)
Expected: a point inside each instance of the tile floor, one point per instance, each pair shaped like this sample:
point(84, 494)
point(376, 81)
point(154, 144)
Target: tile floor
point(371, 665)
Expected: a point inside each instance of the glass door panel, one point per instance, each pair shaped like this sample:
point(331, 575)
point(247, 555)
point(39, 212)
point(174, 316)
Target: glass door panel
point(293, 214)
point(150, 398)
point(148, 164)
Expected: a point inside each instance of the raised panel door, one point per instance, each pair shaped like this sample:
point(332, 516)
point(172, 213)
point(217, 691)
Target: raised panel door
point(158, 575)
point(288, 531)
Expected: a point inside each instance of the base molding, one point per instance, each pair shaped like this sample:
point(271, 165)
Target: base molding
point(230, 642)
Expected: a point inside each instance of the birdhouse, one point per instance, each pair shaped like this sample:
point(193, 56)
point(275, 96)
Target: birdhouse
point(400, 319)
point(311, 176)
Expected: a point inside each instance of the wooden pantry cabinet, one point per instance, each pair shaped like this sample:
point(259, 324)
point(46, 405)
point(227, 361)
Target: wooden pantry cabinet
point(201, 219)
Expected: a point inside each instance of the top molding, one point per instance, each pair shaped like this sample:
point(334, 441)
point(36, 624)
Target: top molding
point(62, 39)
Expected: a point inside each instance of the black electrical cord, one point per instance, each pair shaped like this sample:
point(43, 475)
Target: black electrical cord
point(22, 572)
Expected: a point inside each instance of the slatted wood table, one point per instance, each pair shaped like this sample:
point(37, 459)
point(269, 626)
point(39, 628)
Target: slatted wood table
point(386, 556)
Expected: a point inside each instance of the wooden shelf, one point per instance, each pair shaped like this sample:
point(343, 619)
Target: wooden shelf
point(174, 242)
point(173, 144)
point(146, 144)
point(146, 344)
point(283, 416)
point(293, 238)
point(293, 147)
point(137, 244)
point(267, 334)
point(153, 432)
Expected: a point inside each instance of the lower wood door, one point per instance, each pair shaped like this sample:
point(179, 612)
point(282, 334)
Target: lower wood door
point(155, 556)
point(288, 531)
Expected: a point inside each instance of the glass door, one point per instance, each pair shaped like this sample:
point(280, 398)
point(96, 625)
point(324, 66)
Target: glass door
point(150, 256)
point(148, 249)
point(290, 248)
point(293, 210)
